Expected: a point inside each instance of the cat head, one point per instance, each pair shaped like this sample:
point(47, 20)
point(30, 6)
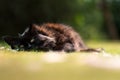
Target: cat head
point(30, 39)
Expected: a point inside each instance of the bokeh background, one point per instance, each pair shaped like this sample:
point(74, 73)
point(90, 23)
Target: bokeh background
point(93, 19)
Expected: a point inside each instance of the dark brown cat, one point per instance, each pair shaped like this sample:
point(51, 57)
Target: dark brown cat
point(51, 36)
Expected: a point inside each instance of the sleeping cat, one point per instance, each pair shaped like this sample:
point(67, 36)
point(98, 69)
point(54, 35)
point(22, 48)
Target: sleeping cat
point(49, 36)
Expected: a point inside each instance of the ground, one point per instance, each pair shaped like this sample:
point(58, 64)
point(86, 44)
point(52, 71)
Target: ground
point(35, 65)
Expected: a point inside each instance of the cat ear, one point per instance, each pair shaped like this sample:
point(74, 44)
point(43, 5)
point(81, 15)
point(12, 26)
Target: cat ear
point(27, 30)
point(31, 28)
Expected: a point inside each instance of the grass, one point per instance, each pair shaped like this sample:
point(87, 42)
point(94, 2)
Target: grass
point(33, 65)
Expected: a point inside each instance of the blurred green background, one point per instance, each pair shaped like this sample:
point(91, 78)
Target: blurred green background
point(93, 19)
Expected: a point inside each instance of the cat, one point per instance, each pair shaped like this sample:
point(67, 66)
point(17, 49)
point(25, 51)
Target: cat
point(49, 36)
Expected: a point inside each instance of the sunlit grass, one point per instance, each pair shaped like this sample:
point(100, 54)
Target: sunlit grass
point(35, 65)
point(109, 46)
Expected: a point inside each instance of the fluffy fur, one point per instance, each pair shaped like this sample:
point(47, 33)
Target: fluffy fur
point(50, 36)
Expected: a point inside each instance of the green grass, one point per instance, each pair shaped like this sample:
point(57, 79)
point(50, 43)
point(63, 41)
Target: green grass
point(33, 65)
point(109, 46)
